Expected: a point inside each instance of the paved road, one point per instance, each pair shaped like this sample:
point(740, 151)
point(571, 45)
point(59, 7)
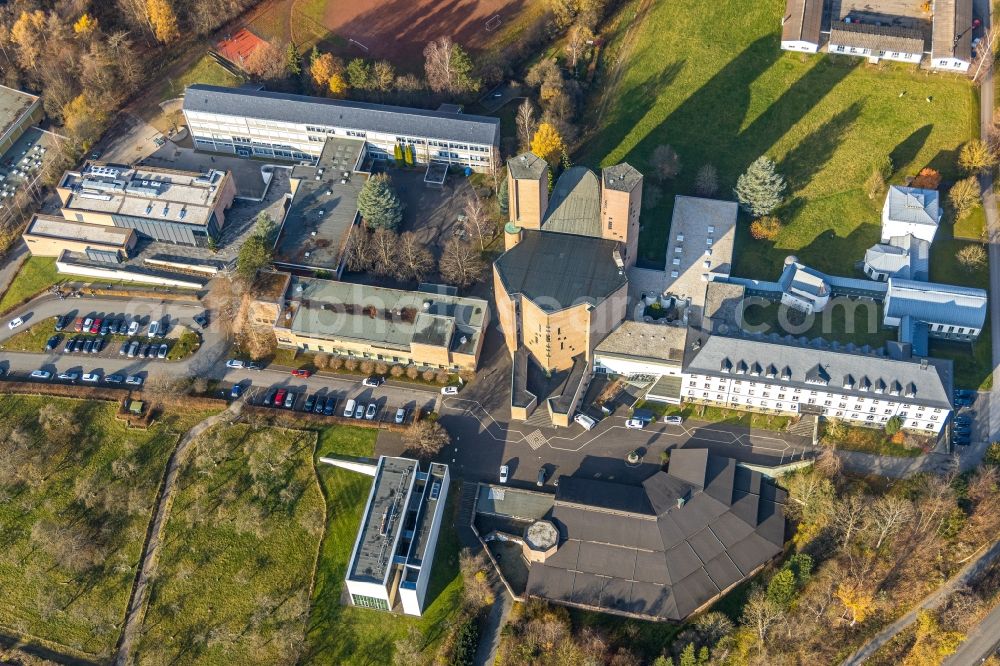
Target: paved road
point(968, 572)
point(981, 642)
point(147, 569)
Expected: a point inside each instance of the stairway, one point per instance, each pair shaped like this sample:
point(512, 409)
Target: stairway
point(466, 505)
point(539, 418)
point(804, 428)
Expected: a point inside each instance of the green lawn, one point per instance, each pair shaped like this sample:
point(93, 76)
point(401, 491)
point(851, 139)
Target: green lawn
point(36, 275)
point(76, 491)
point(710, 80)
point(718, 415)
point(239, 551)
point(866, 440)
point(32, 339)
point(205, 70)
point(348, 635)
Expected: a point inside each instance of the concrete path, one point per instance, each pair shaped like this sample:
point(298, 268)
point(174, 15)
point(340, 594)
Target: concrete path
point(140, 590)
point(968, 572)
point(489, 638)
point(981, 642)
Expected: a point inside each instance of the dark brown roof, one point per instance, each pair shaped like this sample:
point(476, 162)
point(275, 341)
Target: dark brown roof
point(952, 18)
point(802, 20)
point(877, 37)
point(663, 550)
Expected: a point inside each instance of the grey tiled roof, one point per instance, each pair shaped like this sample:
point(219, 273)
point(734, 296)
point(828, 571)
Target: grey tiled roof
point(802, 20)
point(904, 257)
point(527, 165)
point(952, 19)
point(664, 549)
point(634, 339)
point(265, 105)
point(936, 303)
point(877, 37)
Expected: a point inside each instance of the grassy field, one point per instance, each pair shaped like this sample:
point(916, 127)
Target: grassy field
point(207, 71)
point(866, 440)
point(710, 80)
point(36, 275)
point(238, 553)
point(76, 491)
point(348, 635)
point(33, 338)
point(718, 415)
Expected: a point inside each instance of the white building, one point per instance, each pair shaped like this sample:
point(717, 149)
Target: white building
point(643, 351)
point(951, 38)
point(950, 312)
point(392, 557)
point(875, 42)
point(803, 288)
point(758, 375)
point(903, 257)
point(295, 127)
point(911, 210)
point(800, 26)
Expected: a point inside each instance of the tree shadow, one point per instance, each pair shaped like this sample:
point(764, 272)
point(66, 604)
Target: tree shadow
point(815, 150)
point(908, 149)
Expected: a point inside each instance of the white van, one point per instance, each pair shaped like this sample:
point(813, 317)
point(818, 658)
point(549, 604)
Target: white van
point(349, 409)
point(584, 420)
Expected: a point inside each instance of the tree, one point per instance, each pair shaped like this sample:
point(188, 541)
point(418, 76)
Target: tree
point(415, 262)
point(760, 614)
point(928, 179)
point(858, 600)
point(337, 85)
point(479, 224)
point(932, 643)
point(359, 74)
point(850, 516)
point(163, 20)
point(85, 25)
point(881, 169)
point(461, 264)
point(992, 456)
point(503, 197)
point(964, 196)
point(706, 183)
point(384, 244)
point(257, 251)
point(378, 203)
point(781, 588)
point(476, 589)
point(578, 41)
point(383, 75)
point(760, 190)
point(893, 425)
point(526, 123)
point(268, 61)
point(322, 69)
point(666, 163)
point(765, 228)
point(977, 156)
point(359, 252)
point(448, 67)
point(293, 61)
point(547, 144)
point(426, 438)
point(972, 258)
point(83, 119)
point(887, 516)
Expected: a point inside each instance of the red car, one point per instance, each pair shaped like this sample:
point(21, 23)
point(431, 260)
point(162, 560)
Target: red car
point(299, 372)
point(78, 326)
point(279, 397)
point(96, 326)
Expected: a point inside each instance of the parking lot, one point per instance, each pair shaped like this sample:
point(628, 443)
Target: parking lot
point(366, 404)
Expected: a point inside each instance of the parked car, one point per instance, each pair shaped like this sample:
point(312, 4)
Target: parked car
point(331, 404)
point(400, 415)
point(124, 348)
point(41, 374)
point(449, 390)
point(201, 320)
point(53, 343)
point(133, 328)
point(105, 327)
point(143, 350)
point(290, 400)
point(301, 372)
point(133, 349)
point(68, 376)
point(635, 424)
point(320, 407)
point(540, 481)
point(310, 403)
point(61, 323)
point(253, 365)
point(15, 322)
point(87, 323)
point(95, 327)
point(234, 363)
point(114, 379)
point(268, 399)
point(78, 325)
point(371, 411)
point(153, 350)
point(134, 380)
point(154, 329)
point(97, 346)
point(673, 420)
point(504, 473)
point(374, 381)
point(78, 347)
point(236, 391)
point(68, 349)
point(279, 397)
point(91, 377)
point(359, 411)
point(587, 422)
point(349, 408)
point(87, 344)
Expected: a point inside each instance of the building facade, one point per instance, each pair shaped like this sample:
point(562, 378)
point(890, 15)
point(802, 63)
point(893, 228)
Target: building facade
point(18, 111)
point(257, 123)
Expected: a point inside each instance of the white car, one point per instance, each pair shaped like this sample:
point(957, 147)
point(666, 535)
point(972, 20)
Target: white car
point(635, 424)
point(673, 420)
point(449, 390)
point(504, 473)
point(134, 380)
point(91, 377)
point(133, 328)
point(41, 374)
point(234, 363)
point(14, 323)
point(400, 415)
point(68, 376)
point(154, 329)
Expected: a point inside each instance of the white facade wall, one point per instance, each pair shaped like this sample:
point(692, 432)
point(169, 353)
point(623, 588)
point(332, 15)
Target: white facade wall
point(899, 56)
point(950, 64)
point(113, 274)
point(800, 46)
point(297, 141)
point(762, 394)
point(413, 598)
point(803, 303)
point(630, 367)
point(371, 590)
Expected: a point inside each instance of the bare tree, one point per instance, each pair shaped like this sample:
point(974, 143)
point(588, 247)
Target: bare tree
point(985, 55)
point(479, 223)
point(415, 262)
point(850, 516)
point(888, 514)
point(268, 61)
point(527, 124)
point(476, 590)
point(760, 614)
point(578, 41)
point(706, 183)
point(384, 251)
point(665, 162)
point(460, 264)
point(426, 438)
point(359, 251)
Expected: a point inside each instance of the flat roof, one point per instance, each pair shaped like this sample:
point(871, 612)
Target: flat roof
point(361, 116)
point(56, 227)
point(527, 165)
point(13, 105)
point(635, 339)
point(324, 208)
point(934, 303)
point(429, 501)
point(167, 195)
point(557, 271)
point(391, 318)
point(621, 177)
point(702, 231)
point(383, 520)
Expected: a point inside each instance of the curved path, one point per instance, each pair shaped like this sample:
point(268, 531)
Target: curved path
point(147, 569)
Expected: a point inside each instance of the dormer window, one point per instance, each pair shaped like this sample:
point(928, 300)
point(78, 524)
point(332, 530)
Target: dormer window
point(741, 368)
point(848, 381)
point(786, 374)
point(911, 390)
point(772, 372)
point(880, 386)
point(727, 365)
point(755, 369)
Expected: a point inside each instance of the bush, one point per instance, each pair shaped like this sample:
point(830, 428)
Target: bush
point(441, 377)
point(927, 179)
point(321, 361)
point(992, 456)
point(964, 196)
point(428, 375)
point(893, 425)
point(972, 258)
point(335, 363)
point(412, 372)
point(367, 367)
point(382, 368)
point(351, 364)
point(765, 228)
point(397, 370)
point(465, 643)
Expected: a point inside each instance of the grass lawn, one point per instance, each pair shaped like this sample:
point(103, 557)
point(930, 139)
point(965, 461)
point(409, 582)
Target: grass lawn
point(972, 227)
point(861, 324)
point(32, 339)
point(718, 415)
point(76, 491)
point(239, 551)
point(867, 440)
point(36, 275)
point(184, 346)
point(348, 635)
point(205, 70)
point(710, 80)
